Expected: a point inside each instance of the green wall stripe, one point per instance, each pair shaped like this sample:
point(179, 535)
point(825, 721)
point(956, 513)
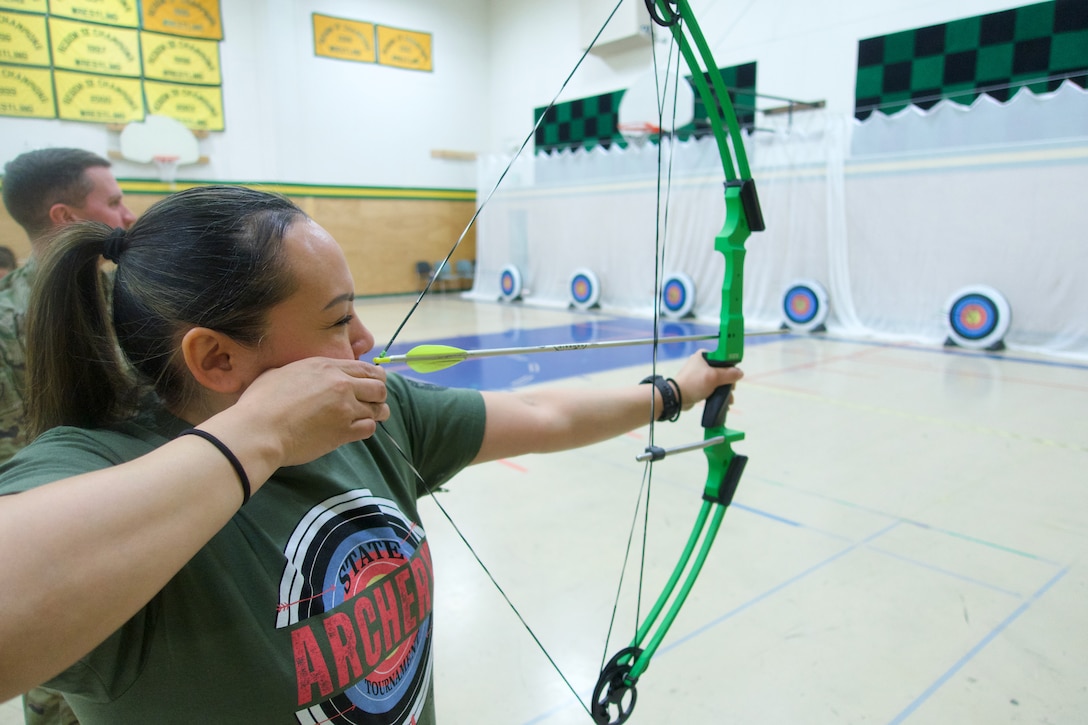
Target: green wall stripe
point(146, 186)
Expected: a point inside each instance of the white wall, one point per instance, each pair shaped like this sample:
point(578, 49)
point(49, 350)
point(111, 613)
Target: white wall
point(295, 118)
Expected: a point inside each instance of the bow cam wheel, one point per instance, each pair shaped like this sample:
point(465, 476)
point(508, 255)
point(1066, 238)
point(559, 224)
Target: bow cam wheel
point(614, 692)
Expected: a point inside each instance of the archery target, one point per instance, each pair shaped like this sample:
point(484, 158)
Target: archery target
point(510, 283)
point(677, 296)
point(805, 306)
point(977, 317)
point(585, 290)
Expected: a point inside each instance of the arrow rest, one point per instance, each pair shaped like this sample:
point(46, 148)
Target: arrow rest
point(615, 689)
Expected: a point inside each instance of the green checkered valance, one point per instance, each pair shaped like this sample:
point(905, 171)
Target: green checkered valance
point(590, 122)
point(1037, 46)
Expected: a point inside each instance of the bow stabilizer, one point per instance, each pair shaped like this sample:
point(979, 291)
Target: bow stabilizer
point(615, 694)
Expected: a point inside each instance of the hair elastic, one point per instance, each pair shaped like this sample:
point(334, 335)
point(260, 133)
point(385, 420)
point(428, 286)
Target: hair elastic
point(227, 453)
point(114, 244)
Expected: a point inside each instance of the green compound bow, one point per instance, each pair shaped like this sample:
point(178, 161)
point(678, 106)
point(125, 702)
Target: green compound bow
point(615, 695)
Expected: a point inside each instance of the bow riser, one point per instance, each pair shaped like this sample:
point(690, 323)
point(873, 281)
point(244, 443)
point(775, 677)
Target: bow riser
point(730, 244)
point(730, 351)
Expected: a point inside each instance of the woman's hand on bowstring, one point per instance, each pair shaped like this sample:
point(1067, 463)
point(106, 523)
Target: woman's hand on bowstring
point(312, 406)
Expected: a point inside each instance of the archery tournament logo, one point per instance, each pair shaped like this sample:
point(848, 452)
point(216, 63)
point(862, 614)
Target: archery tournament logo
point(356, 597)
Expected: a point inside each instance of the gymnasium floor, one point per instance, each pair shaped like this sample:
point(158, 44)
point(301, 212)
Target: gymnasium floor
point(907, 544)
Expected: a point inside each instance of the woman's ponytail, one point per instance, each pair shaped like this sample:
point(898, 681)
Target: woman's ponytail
point(75, 374)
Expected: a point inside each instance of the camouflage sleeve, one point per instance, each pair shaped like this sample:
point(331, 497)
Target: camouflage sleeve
point(12, 381)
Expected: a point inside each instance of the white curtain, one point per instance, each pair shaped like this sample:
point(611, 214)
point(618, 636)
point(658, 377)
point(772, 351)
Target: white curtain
point(892, 216)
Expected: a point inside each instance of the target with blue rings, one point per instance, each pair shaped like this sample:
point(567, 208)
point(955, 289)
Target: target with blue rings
point(805, 306)
point(978, 317)
point(585, 289)
point(974, 316)
point(677, 296)
point(510, 283)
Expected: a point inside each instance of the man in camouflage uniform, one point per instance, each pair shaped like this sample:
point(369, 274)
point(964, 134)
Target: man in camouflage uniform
point(7, 260)
point(44, 190)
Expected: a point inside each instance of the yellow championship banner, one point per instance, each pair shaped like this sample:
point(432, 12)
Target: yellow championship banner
point(26, 92)
point(95, 48)
point(191, 18)
point(27, 6)
point(99, 99)
point(181, 60)
point(198, 107)
point(23, 39)
point(344, 39)
point(110, 12)
point(404, 48)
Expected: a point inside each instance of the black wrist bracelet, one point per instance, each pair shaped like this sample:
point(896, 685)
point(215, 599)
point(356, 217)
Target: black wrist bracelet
point(227, 453)
point(679, 397)
point(669, 396)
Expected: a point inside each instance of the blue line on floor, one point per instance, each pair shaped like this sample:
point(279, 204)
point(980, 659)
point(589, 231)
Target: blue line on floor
point(767, 514)
point(911, 522)
point(737, 610)
point(900, 557)
point(775, 589)
point(946, 572)
point(921, 699)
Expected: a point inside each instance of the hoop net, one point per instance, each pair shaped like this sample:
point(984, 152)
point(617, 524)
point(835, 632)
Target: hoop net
point(637, 133)
point(168, 168)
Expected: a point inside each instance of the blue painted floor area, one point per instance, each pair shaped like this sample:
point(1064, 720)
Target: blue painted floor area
point(512, 371)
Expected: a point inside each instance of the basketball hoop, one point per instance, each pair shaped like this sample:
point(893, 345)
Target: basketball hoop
point(166, 142)
point(637, 133)
point(168, 168)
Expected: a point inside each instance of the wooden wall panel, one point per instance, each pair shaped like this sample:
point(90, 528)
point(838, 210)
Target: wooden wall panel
point(382, 238)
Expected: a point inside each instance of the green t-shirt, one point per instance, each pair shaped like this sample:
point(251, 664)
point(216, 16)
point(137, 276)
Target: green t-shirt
point(312, 605)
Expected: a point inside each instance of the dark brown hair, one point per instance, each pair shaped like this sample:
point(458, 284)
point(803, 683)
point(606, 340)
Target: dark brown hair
point(205, 257)
point(36, 180)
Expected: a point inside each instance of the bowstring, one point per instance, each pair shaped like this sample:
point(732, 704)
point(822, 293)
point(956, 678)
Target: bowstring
point(502, 177)
point(430, 283)
point(642, 502)
point(457, 529)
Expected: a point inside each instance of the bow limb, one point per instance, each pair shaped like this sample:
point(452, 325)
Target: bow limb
point(615, 695)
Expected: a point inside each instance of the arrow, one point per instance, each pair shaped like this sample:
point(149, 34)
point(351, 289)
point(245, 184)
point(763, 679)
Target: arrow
point(432, 358)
